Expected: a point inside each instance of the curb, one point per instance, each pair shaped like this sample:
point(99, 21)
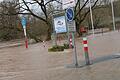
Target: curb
point(12, 45)
point(61, 52)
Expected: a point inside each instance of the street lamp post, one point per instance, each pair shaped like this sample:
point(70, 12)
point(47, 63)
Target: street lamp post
point(93, 31)
point(113, 15)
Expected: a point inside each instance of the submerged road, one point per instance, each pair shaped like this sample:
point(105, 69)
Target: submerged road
point(35, 63)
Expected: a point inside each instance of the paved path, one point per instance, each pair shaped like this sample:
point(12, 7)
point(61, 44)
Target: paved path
point(35, 63)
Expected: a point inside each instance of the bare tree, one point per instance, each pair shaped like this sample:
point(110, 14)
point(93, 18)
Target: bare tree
point(8, 23)
point(81, 12)
point(43, 6)
point(24, 7)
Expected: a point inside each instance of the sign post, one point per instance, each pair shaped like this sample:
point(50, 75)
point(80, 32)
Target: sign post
point(71, 30)
point(24, 22)
point(70, 22)
point(75, 61)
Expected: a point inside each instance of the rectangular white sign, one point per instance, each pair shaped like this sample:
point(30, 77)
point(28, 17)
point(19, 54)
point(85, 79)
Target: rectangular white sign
point(60, 24)
point(68, 3)
point(71, 26)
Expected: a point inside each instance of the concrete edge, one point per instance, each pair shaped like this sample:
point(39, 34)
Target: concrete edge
point(12, 45)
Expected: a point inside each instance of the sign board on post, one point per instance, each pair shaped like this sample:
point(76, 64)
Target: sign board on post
point(69, 19)
point(68, 3)
point(59, 24)
point(71, 26)
point(24, 22)
point(70, 14)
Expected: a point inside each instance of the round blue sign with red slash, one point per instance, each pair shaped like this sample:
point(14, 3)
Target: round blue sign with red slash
point(24, 22)
point(70, 14)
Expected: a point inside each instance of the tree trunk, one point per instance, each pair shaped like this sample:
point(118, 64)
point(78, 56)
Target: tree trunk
point(49, 30)
point(48, 34)
point(78, 29)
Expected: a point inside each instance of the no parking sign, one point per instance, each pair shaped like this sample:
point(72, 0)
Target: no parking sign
point(24, 22)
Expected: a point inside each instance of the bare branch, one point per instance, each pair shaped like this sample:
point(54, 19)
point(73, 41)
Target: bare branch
point(52, 1)
point(82, 7)
point(28, 9)
point(88, 12)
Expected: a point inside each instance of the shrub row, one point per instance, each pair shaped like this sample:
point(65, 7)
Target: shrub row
point(58, 48)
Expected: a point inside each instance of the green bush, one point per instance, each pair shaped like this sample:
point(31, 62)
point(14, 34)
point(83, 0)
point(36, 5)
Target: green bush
point(59, 48)
point(56, 48)
point(66, 46)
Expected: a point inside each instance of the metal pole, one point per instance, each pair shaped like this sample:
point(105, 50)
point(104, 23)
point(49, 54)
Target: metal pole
point(113, 15)
point(91, 18)
point(54, 32)
point(26, 41)
point(75, 62)
point(68, 33)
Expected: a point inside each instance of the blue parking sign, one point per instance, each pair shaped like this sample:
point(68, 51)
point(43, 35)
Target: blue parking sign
point(70, 14)
point(24, 22)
